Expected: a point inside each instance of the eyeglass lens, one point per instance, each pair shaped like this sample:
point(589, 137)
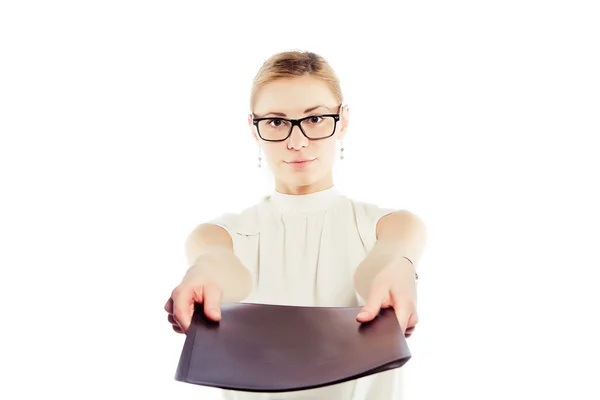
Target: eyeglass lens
point(316, 127)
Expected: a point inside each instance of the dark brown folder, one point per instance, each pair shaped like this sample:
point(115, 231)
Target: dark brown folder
point(270, 348)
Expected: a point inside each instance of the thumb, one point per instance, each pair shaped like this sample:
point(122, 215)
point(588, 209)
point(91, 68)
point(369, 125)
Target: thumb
point(372, 306)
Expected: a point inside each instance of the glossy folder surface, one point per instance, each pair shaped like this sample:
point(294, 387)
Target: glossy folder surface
point(270, 348)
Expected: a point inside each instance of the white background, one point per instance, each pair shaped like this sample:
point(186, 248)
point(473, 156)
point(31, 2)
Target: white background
point(123, 125)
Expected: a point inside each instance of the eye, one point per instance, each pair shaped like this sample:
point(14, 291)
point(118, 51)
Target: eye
point(275, 122)
point(315, 119)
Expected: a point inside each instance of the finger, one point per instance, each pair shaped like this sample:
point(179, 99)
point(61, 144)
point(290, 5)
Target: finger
point(372, 306)
point(169, 305)
point(177, 329)
point(183, 306)
point(412, 323)
point(403, 315)
point(212, 300)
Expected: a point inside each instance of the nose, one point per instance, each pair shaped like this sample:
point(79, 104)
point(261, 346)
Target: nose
point(297, 140)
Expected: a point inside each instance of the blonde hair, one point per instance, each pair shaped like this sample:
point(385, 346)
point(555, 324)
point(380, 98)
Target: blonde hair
point(291, 64)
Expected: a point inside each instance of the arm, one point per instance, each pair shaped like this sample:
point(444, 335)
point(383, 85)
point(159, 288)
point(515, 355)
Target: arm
point(386, 277)
point(215, 275)
point(209, 251)
point(399, 234)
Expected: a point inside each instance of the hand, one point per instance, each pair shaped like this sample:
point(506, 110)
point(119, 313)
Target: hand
point(394, 286)
point(196, 287)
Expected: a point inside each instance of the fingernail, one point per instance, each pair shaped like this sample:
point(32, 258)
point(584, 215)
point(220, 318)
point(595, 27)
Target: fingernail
point(362, 314)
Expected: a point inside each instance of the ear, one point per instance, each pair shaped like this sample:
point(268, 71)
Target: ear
point(344, 119)
point(252, 128)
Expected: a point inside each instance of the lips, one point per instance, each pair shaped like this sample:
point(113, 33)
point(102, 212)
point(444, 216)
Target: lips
point(300, 162)
point(303, 160)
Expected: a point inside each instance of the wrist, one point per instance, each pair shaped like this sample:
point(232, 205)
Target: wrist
point(404, 266)
point(203, 266)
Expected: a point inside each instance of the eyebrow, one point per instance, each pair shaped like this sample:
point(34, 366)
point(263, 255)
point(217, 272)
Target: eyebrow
point(280, 114)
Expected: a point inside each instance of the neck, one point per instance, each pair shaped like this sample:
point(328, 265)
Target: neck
point(285, 188)
point(307, 203)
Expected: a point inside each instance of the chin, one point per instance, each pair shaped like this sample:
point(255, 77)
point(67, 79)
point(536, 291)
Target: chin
point(306, 179)
point(303, 180)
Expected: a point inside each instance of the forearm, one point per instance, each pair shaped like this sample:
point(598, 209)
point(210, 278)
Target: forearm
point(401, 238)
point(224, 268)
point(210, 256)
point(381, 256)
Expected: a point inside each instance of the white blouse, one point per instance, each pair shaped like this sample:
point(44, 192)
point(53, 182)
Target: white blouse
point(302, 250)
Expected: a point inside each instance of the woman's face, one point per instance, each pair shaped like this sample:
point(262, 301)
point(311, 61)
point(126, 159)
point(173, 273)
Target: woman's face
point(300, 165)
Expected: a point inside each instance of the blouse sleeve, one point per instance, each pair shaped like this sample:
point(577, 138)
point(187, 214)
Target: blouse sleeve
point(367, 217)
point(245, 223)
point(226, 221)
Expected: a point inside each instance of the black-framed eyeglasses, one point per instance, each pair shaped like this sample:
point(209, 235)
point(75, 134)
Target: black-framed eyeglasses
point(314, 127)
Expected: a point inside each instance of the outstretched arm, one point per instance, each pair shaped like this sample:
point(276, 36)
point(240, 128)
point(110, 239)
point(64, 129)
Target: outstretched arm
point(215, 275)
point(386, 277)
point(209, 250)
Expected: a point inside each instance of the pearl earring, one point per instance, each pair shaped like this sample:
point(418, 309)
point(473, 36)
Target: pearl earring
point(341, 150)
point(259, 157)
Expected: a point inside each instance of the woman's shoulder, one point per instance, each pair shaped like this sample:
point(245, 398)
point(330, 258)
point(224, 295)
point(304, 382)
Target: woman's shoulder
point(368, 209)
point(365, 216)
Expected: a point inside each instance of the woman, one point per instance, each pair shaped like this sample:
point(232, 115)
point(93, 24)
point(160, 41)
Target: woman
point(305, 244)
